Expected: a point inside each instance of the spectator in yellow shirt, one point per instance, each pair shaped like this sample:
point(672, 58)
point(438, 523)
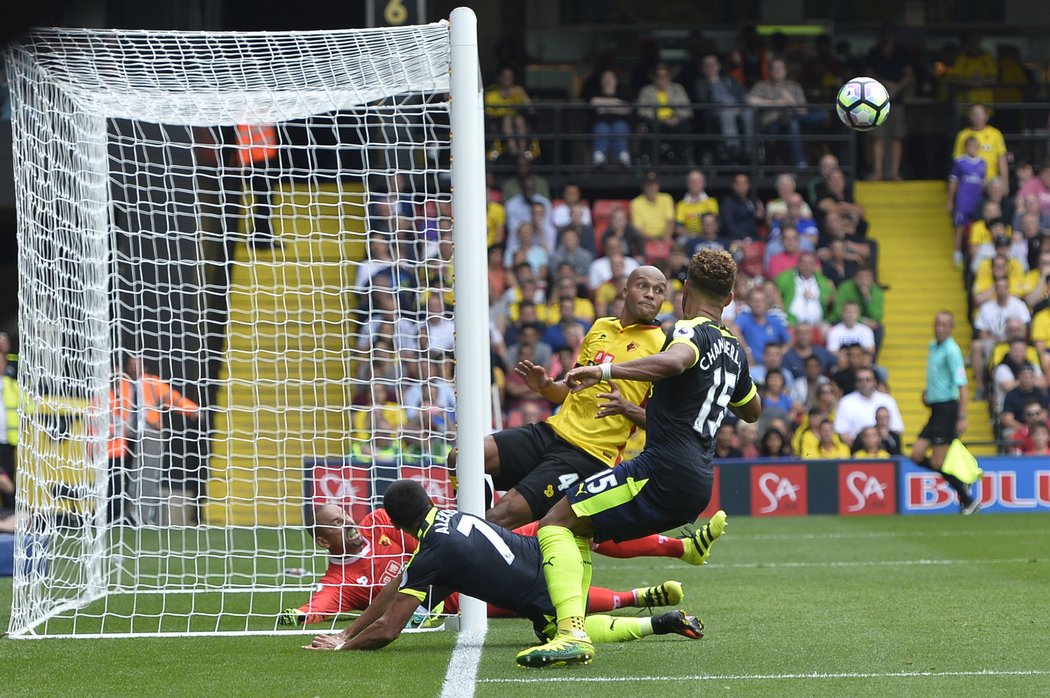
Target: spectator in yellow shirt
point(830, 446)
point(990, 144)
point(1015, 329)
point(663, 108)
point(495, 223)
point(975, 70)
point(652, 211)
point(380, 417)
point(1041, 336)
point(804, 442)
point(990, 269)
point(981, 230)
point(1038, 283)
point(504, 103)
point(691, 209)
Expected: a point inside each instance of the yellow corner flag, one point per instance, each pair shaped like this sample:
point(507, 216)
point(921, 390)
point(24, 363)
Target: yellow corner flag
point(961, 463)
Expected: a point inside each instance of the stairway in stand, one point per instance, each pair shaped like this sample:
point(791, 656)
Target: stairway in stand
point(915, 237)
point(285, 379)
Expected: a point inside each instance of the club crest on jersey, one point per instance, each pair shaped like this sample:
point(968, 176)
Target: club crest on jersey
point(383, 540)
point(632, 346)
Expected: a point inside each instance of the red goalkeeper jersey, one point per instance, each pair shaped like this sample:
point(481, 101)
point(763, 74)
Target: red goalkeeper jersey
point(352, 581)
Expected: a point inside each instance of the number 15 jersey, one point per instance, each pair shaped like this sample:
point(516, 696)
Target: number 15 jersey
point(685, 411)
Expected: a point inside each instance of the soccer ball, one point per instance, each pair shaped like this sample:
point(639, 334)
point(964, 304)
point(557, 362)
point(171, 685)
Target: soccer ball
point(863, 104)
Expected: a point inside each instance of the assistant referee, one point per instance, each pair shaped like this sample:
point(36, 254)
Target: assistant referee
point(947, 394)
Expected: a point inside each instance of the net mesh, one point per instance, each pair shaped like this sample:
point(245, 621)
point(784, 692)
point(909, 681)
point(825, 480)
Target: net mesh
point(236, 282)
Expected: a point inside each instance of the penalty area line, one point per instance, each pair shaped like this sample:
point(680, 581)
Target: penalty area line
point(551, 677)
point(462, 674)
point(865, 563)
point(854, 535)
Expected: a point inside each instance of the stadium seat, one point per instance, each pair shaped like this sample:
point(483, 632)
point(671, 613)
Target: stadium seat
point(603, 209)
point(656, 250)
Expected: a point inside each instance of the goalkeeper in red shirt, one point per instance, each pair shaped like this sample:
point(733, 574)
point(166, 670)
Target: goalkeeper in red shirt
point(365, 556)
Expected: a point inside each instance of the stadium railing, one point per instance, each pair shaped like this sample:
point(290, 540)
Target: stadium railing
point(561, 133)
point(1025, 127)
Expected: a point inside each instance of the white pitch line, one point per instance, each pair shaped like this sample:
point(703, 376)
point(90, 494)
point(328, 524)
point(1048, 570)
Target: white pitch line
point(898, 534)
point(552, 677)
point(863, 563)
point(462, 674)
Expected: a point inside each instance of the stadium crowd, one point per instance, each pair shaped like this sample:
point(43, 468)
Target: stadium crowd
point(808, 307)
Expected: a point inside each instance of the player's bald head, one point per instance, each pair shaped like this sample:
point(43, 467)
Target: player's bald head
point(327, 513)
point(648, 271)
point(643, 294)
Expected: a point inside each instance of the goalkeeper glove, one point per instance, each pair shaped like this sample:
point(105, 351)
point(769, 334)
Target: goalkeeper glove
point(291, 616)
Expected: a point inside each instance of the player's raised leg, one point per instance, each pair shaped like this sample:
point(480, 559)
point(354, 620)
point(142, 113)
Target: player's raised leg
point(693, 546)
point(698, 542)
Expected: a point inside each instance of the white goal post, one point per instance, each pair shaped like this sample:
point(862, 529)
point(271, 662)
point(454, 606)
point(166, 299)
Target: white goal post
point(237, 302)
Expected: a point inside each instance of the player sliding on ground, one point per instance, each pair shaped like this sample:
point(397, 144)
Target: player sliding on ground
point(700, 371)
point(461, 553)
point(365, 557)
point(537, 463)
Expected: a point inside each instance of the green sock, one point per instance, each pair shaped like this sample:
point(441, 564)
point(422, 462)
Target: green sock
point(584, 546)
point(604, 629)
point(563, 569)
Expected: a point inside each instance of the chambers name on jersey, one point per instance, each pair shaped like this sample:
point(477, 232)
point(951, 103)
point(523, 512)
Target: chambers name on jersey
point(684, 412)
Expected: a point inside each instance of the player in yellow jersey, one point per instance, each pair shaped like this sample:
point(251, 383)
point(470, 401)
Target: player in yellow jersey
point(536, 463)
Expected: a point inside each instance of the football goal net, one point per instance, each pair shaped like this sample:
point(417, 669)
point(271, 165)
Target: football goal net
point(237, 304)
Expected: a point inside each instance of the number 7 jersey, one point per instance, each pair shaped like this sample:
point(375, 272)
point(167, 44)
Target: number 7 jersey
point(685, 411)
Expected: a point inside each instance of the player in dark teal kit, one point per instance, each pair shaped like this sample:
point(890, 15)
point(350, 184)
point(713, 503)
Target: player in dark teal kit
point(699, 373)
point(464, 553)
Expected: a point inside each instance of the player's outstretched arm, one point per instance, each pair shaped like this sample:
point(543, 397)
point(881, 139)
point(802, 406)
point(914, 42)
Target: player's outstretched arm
point(371, 615)
point(387, 627)
point(665, 364)
point(539, 381)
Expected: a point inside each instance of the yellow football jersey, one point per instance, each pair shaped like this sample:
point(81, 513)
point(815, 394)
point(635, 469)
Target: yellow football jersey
point(689, 213)
point(990, 145)
point(576, 421)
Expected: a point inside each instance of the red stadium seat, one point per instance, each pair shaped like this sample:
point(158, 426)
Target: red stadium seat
point(657, 250)
point(603, 209)
point(601, 213)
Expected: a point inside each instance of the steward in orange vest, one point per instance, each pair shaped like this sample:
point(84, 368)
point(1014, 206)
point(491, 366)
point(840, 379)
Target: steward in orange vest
point(139, 401)
point(256, 144)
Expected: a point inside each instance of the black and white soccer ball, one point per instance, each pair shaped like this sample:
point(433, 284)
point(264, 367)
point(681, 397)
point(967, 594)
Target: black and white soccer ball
point(863, 104)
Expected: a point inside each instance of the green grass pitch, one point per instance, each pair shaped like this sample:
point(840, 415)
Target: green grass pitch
point(921, 606)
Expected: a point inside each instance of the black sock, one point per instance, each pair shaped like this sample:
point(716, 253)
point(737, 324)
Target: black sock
point(961, 489)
